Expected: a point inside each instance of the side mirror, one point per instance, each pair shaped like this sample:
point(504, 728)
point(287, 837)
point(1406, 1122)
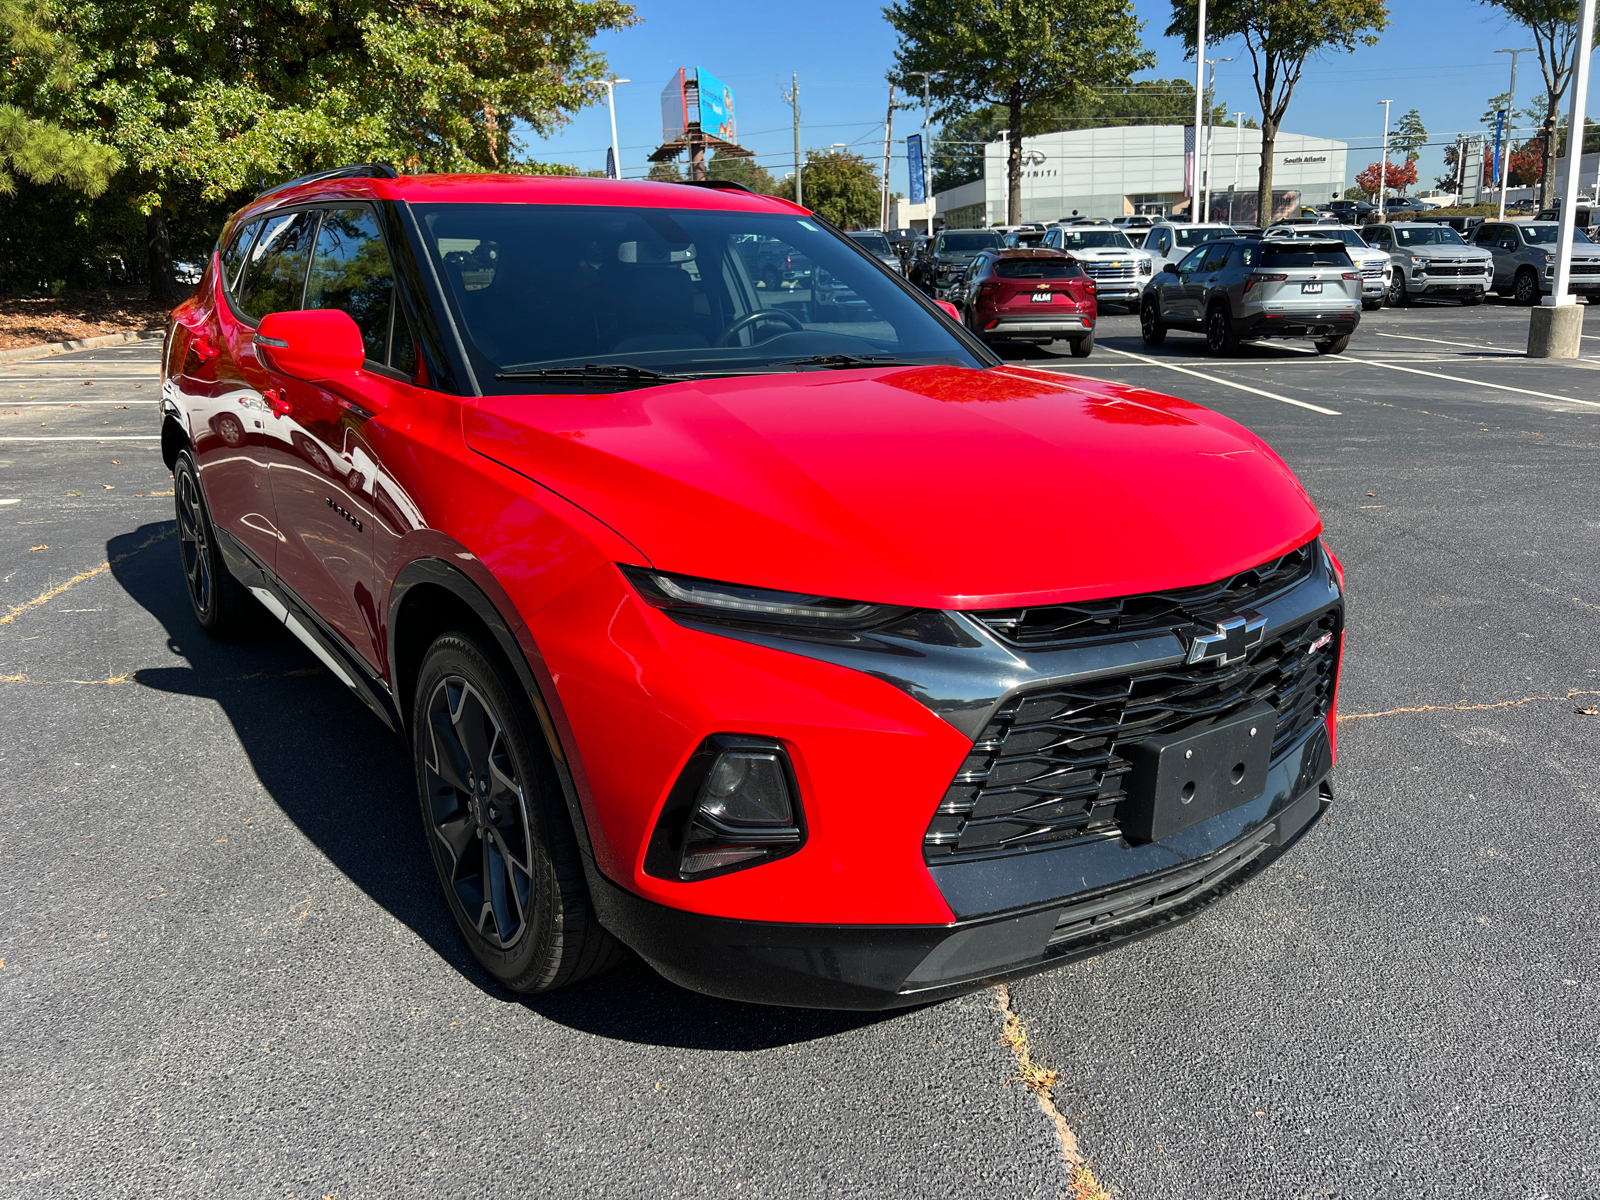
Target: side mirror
point(1170, 268)
point(312, 344)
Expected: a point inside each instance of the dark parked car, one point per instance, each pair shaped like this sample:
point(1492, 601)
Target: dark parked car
point(1403, 205)
point(1350, 212)
point(1038, 296)
point(944, 258)
point(876, 244)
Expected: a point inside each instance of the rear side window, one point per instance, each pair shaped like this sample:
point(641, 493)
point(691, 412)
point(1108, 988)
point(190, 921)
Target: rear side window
point(350, 271)
point(275, 274)
point(1036, 268)
point(233, 257)
point(1276, 254)
point(1217, 257)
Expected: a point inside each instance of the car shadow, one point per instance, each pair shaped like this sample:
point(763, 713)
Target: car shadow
point(351, 792)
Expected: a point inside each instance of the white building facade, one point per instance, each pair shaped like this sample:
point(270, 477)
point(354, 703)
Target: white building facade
point(1132, 169)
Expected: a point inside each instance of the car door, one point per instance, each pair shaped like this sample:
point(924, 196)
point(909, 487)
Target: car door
point(238, 479)
point(1183, 297)
point(334, 493)
point(1159, 243)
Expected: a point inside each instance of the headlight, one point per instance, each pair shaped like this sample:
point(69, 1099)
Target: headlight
point(1146, 267)
point(733, 604)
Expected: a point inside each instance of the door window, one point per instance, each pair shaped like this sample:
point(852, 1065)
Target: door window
point(274, 276)
point(1216, 257)
point(1193, 260)
point(350, 271)
point(233, 257)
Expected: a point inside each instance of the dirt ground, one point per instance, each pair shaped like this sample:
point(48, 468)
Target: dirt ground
point(77, 315)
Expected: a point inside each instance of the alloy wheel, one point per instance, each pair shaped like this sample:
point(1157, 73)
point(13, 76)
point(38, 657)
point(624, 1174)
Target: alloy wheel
point(1527, 289)
point(478, 813)
point(193, 544)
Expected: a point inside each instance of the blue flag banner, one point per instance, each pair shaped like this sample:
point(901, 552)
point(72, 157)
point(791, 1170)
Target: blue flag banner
point(611, 164)
point(914, 165)
point(1499, 124)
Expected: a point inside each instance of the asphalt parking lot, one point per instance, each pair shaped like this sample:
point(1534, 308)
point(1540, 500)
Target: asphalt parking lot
point(226, 970)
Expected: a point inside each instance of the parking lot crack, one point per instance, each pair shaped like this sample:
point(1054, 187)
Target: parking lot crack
point(1040, 1080)
point(1426, 708)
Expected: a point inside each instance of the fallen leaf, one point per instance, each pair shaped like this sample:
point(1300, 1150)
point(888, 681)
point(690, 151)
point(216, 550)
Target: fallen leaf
point(74, 493)
point(1374, 494)
point(110, 487)
point(116, 462)
point(31, 549)
point(1261, 1114)
point(219, 841)
point(1590, 712)
point(1372, 506)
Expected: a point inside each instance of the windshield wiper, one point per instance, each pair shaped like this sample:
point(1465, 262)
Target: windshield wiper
point(840, 361)
point(622, 372)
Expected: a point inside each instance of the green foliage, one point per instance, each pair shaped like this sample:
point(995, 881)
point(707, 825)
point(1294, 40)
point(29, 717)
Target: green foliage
point(742, 170)
point(42, 151)
point(1017, 53)
point(840, 186)
point(664, 172)
point(1409, 136)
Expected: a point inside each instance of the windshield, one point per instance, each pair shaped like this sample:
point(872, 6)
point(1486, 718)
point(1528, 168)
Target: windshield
point(1193, 237)
point(968, 242)
point(872, 243)
point(678, 291)
point(1435, 235)
point(1549, 235)
point(1086, 239)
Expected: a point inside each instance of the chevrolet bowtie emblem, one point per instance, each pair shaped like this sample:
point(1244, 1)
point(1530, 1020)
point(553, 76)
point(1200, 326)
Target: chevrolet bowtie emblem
point(1232, 639)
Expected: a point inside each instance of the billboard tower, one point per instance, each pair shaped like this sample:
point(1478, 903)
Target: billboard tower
point(697, 114)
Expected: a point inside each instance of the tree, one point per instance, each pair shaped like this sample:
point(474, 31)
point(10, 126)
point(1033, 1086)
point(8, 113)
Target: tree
point(1527, 163)
point(664, 172)
point(1553, 26)
point(742, 170)
point(42, 65)
point(1280, 36)
point(227, 97)
point(1409, 138)
point(1371, 178)
point(841, 187)
point(1017, 53)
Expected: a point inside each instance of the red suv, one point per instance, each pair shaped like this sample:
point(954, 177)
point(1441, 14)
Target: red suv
point(1035, 296)
point(780, 633)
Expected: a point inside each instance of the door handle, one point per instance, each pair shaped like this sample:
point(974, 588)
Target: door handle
point(277, 402)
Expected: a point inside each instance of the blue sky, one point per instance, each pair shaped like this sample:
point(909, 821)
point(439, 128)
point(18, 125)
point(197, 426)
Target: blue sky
point(1437, 56)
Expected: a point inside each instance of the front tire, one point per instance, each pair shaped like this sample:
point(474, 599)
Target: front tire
point(1221, 340)
point(1150, 325)
point(1525, 291)
point(1397, 290)
point(1371, 305)
point(497, 826)
point(1472, 301)
point(221, 604)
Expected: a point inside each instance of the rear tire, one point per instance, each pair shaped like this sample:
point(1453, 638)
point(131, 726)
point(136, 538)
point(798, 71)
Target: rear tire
point(1221, 339)
point(1084, 346)
point(1150, 326)
point(222, 605)
point(497, 826)
point(1333, 345)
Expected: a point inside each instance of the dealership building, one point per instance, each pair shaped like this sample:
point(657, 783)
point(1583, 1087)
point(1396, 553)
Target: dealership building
point(1131, 169)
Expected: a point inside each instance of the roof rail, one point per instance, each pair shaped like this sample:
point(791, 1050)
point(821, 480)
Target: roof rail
point(726, 185)
point(359, 171)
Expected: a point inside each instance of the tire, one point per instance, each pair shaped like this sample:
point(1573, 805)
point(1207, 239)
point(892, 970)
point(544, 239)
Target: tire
point(1472, 301)
point(1084, 346)
point(1525, 291)
point(1397, 291)
point(1221, 339)
point(496, 824)
point(1333, 345)
point(222, 605)
point(1371, 305)
point(1150, 326)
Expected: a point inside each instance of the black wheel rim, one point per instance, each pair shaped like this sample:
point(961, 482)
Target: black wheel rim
point(1147, 319)
point(1525, 288)
point(1218, 334)
point(192, 542)
point(477, 814)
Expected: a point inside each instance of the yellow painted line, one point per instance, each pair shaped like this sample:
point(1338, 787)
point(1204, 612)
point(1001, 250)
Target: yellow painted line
point(1156, 362)
point(49, 595)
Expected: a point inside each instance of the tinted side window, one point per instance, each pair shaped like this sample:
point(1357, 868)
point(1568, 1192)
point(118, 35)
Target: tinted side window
point(1191, 261)
point(350, 271)
point(1217, 257)
point(233, 257)
point(275, 274)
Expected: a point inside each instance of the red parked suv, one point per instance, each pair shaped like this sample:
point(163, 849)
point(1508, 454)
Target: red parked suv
point(1035, 296)
point(780, 633)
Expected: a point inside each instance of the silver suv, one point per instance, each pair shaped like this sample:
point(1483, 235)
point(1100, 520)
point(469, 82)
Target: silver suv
point(1431, 261)
point(1525, 259)
point(1374, 265)
point(1242, 289)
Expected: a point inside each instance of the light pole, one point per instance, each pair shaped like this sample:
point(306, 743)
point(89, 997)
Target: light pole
point(1238, 145)
point(792, 99)
point(927, 146)
point(610, 86)
point(1210, 129)
point(1511, 112)
point(1199, 102)
point(1383, 171)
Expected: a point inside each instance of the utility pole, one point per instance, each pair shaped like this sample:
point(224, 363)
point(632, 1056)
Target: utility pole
point(1238, 145)
point(1199, 103)
point(1511, 111)
point(927, 145)
point(888, 134)
point(792, 98)
point(1383, 171)
point(1211, 129)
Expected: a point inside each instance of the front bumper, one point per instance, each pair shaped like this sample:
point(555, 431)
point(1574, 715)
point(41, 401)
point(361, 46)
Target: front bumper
point(1118, 293)
point(1447, 286)
point(890, 966)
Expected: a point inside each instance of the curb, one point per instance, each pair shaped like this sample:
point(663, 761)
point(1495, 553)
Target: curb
point(46, 349)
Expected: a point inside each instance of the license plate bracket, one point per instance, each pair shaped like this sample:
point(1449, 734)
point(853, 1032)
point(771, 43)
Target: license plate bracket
point(1311, 289)
point(1184, 778)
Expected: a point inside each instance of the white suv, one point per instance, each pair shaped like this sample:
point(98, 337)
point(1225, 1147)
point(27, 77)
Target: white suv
point(1167, 241)
point(1120, 272)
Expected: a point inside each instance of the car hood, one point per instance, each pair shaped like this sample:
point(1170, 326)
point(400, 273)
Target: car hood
point(936, 487)
point(1098, 253)
point(1450, 253)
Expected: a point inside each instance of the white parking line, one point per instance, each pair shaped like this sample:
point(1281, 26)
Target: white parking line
point(87, 437)
point(1438, 341)
point(1156, 362)
point(1500, 387)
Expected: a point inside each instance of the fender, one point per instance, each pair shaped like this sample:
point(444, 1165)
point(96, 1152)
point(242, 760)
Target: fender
point(517, 645)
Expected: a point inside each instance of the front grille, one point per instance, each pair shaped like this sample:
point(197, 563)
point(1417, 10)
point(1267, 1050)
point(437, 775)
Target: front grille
point(1049, 765)
point(1586, 268)
point(1434, 270)
point(1372, 272)
point(1109, 272)
point(1094, 620)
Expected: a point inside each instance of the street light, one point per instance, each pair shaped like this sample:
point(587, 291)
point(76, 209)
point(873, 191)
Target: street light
point(1238, 145)
point(1199, 103)
point(927, 146)
point(1383, 171)
point(1210, 129)
point(1511, 111)
point(610, 86)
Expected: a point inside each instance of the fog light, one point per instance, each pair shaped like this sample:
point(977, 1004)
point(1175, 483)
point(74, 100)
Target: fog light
point(735, 805)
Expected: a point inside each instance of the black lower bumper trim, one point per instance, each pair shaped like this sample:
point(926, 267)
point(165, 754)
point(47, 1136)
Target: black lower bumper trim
point(890, 966)
point(1312, 325)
